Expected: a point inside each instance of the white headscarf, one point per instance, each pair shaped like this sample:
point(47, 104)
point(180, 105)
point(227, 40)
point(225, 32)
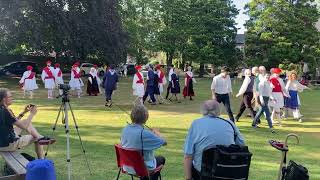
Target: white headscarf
point(93, 72)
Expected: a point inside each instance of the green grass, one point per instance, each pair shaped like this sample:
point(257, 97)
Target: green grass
point(100, 129)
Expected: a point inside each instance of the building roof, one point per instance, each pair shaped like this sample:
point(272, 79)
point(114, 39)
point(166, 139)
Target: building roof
point(240, 38)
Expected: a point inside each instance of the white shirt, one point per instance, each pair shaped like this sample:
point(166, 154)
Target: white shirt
point(265, 88)
point(295, 86)
point(244, 86)
point(221, 85)
point(170, 73)
point(305, 68)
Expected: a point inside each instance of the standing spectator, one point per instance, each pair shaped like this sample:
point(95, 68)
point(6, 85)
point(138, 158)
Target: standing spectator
point(110, 81)
point(221, 90)
point(135, 136)
point(28, 81)
point(208, 131)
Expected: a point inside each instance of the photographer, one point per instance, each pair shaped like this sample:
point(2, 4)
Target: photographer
point(10, 137)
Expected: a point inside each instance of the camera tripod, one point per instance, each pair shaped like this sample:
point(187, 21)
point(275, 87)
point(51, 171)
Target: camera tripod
point(64, 108)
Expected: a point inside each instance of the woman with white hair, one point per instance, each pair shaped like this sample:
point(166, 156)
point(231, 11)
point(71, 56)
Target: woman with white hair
point(246, 91)
point(93, 83)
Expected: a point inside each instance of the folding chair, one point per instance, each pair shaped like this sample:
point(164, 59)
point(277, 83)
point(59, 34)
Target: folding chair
point(131, 162)
point(225, 163)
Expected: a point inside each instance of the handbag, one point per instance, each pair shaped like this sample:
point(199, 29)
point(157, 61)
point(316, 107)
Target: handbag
point(295, 171)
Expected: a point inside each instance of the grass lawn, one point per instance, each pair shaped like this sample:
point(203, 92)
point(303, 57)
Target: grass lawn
point(100, 129)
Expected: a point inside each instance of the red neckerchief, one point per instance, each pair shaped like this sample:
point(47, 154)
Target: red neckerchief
point(140, 81)
point(31, 76)
point(49, 73)
point(277, 86)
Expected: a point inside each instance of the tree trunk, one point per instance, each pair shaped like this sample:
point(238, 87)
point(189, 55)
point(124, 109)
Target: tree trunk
point(201, 72)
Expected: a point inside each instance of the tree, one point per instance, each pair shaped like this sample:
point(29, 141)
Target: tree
point(86, 28)
point(211, 32)
point(281, 30)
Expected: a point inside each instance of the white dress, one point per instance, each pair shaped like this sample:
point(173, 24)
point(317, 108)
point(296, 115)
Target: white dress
point(138, 88)
point(48, 83)
point(28, 84)
point(278, 96)
point(164, 82)
point(59, 79)
point(75, 83)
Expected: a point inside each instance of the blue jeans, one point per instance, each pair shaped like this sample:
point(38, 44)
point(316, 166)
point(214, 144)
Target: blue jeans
point(263, 108)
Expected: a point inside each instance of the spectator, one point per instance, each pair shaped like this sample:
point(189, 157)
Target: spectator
point(134, 136)
point(10, 137)
point(206, 132)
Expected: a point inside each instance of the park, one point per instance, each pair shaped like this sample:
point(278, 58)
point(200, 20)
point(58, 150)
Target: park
point(109, 58)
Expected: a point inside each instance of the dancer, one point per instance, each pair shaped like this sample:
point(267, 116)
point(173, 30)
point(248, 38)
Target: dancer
point(175, 85)
point(110, 81)
point(58, 76)
point(262, 72)
point(150, 86)
point(171, 69)
point(156, 88)
point(221, 88)
point(265, 94)
point(161, 82)
point(278, 91)
point(93, 83)
point(48, 79)
point(188, 84)
point(28, 82)
point(293, 102)
point(138, 84)
point(75, 83)
point(247, 91)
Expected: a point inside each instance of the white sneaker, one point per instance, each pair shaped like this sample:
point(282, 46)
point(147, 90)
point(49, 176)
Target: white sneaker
point(300, 120)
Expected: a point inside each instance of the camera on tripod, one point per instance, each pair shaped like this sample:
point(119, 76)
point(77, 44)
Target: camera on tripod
point(65, 90)
point(64, 87)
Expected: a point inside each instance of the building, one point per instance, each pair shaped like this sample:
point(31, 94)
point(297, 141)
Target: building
point(240, 41)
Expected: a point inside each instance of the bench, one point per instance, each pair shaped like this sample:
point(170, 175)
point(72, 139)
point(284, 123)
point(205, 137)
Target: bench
point(17, 163)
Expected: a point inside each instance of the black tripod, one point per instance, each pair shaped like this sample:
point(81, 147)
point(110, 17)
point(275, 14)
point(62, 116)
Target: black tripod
point(65, 106)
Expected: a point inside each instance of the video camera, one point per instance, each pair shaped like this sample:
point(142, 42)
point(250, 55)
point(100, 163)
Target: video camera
point(64, 87)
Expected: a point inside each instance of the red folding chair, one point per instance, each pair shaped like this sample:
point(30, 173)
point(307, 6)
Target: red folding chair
point(133, 159)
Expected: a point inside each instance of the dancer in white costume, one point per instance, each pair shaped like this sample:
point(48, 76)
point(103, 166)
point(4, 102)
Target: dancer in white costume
point(75, 81)
point(58, 76)
point(48, 79)
point(28, 81)
point(138, 84)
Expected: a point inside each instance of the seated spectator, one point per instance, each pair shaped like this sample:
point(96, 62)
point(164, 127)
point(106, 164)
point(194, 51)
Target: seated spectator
point(204, 133)
point(10, 137)
point(134, 136)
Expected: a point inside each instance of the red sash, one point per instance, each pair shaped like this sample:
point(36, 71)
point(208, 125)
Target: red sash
point(277, 87)
point(76, 74)
point(49, 73)
point(161, 77)
point(140, 81)
point(59, 73)
point(31, 76)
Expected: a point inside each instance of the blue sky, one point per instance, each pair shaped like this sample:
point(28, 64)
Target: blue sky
point(241, 18)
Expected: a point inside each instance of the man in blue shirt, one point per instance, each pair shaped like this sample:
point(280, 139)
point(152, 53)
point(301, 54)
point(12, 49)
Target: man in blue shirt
point(150, 86)
point(134, 136)
point(206, 132)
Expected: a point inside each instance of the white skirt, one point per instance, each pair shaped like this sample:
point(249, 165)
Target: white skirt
point(29, 85)
point(161, 88)
point(139, 90)
point(49, 84)
point(278, 96)
point(75, 84)
point(59, 80)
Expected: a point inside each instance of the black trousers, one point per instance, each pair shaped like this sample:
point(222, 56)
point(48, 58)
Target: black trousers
point(160, 161)
point(169, 89)
point(195, 174)
point(246, 103)
point(108, 94)
point(150, 92)
point(224, 98)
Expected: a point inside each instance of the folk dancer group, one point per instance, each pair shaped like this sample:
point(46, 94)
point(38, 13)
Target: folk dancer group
point(52, 77)
point(155, 82)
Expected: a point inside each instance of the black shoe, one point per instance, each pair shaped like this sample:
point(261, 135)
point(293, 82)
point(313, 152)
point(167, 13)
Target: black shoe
point(236, 118)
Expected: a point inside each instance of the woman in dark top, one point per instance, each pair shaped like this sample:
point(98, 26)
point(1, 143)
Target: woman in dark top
point(10, 137)
point(93, 83)
point(175, 88)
